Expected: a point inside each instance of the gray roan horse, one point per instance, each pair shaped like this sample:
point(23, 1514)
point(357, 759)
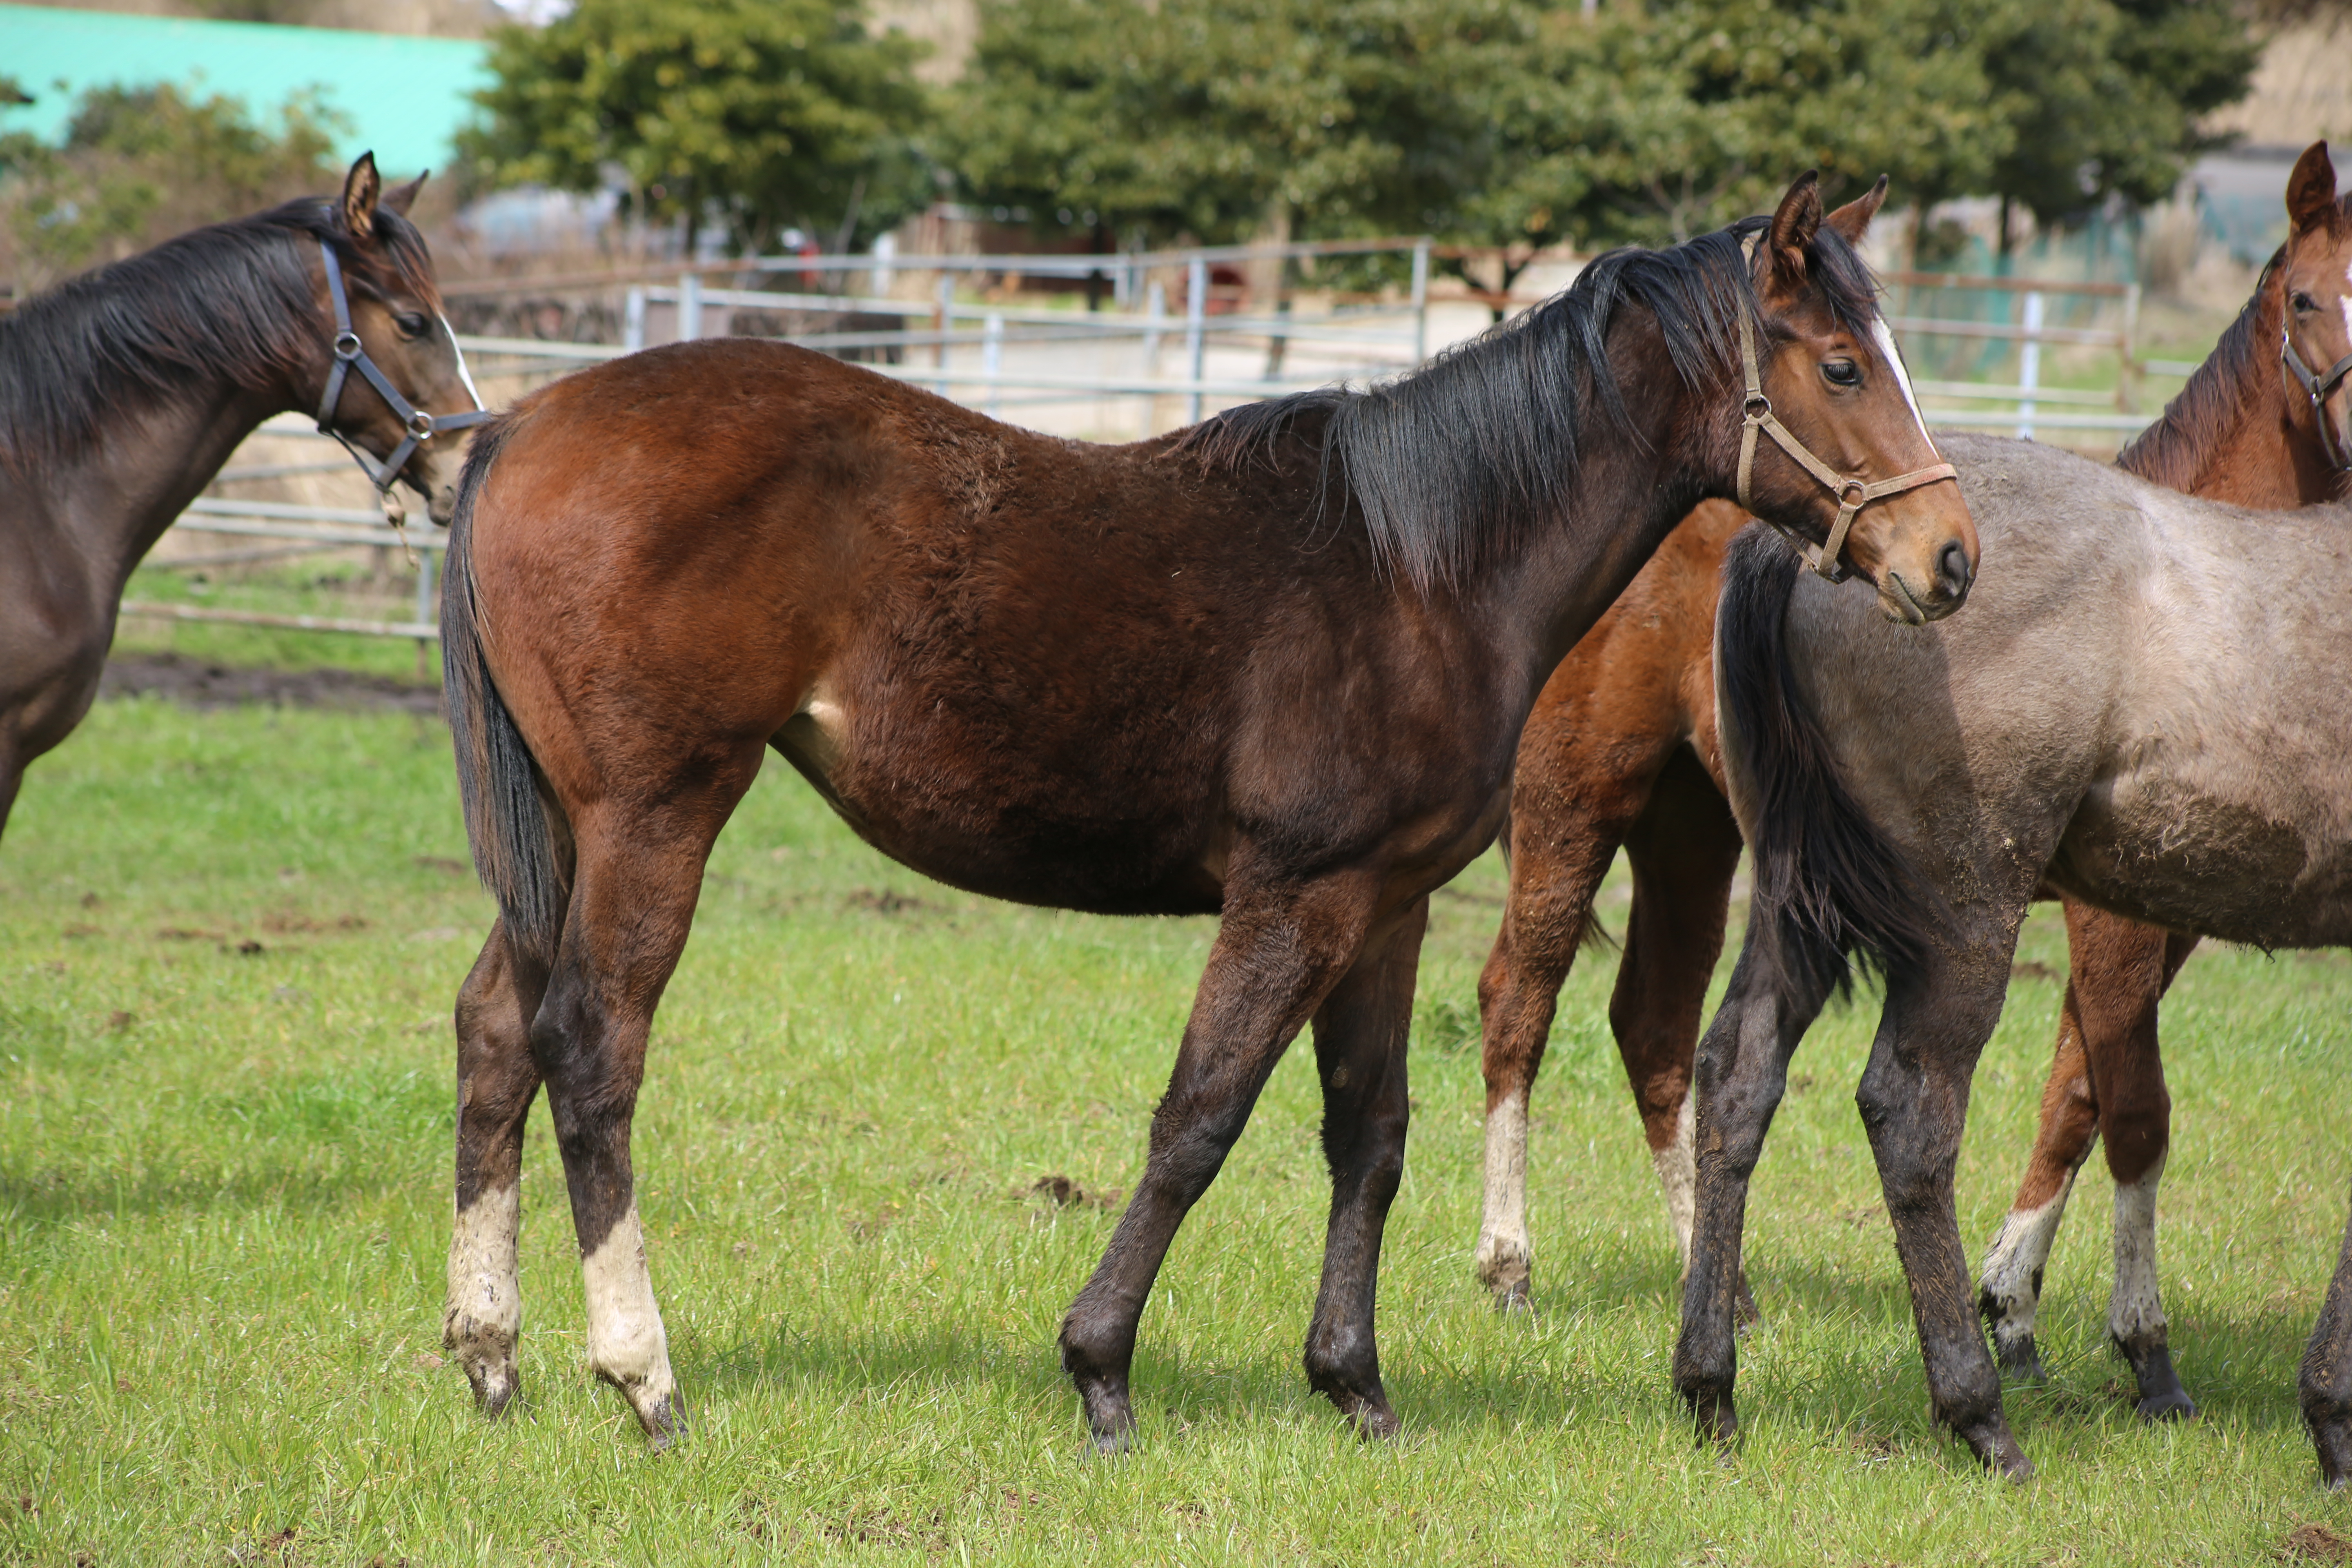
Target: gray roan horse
point(2177, 759)
point(123, 391)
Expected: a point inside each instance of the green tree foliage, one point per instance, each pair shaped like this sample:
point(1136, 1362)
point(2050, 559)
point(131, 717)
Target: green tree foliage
point(1502, 124)
point(1214, 117)
point(139, 165)
point(762, 113)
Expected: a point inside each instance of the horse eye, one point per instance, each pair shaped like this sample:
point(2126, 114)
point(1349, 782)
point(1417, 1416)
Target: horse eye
point(412, 325)
point(2304, 304)
point(1841, 372)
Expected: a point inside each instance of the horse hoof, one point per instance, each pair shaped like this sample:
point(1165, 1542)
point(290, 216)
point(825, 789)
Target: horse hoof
point(1109, 1445)
point(2161, 1397)
point(1375, 1423)
point(1512, 1298)
point(2175, 1405)
point(665, 1424)
point(1716, 1422)
point(2020, 1361)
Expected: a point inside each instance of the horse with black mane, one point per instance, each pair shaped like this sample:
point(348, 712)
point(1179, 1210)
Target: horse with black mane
point(1274, 667)
point(123, 391)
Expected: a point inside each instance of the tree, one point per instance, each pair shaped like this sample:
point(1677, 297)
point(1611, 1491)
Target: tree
point(1215, 120)
point(757, 113)
point(139, 165)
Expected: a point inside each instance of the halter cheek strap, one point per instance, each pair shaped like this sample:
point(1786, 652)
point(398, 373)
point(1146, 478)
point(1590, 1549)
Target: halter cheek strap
point(350, 354)
point(1853, 491)
point(2319, 388)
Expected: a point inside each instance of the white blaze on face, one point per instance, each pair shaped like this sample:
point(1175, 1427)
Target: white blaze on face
point(463, 374)
point(2345, 303)
point(1893, 358)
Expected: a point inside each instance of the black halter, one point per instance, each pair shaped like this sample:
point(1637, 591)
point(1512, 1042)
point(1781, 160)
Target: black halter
point(419, 426)
point(2319, 388)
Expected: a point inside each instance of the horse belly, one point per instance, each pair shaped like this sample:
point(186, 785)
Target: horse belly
point(2214, 863)
point(1115, 838)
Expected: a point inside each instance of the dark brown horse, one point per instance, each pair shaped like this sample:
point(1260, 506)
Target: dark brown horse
point(1622, 751)
point(123, 391)
point(1275, 667)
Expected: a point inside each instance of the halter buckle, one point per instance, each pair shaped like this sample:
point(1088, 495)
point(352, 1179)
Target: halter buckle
point(347, 345)
point(1757, 409)
point(420, 425)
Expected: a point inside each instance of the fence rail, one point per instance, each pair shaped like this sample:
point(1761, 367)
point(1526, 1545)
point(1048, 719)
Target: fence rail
point(1376, 338)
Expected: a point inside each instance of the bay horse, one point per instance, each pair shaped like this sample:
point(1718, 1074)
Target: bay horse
point(124, 390)
point(1621, 751)
point(1905, 798)
point(1274, 667)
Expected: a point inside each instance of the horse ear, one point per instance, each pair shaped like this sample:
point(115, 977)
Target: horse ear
point(400, 198)
point(362, 187)
point(2311, 189)
point(1852, 220)
point(1798, 219)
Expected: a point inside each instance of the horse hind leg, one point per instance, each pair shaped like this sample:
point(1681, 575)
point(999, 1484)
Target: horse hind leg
point(1561, 849)
point(2008, 1287)
point(639, 874)
point(1359, 1056)
point(1914, 1097)
point(497, 1081)
point(1684, 851)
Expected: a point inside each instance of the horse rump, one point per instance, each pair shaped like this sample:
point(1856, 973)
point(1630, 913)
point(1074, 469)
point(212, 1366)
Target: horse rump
point(1829, 881)
point(506, 817)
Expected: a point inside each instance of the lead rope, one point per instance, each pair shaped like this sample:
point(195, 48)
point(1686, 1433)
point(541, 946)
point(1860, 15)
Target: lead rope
point(419, 426)
point(1852, 492)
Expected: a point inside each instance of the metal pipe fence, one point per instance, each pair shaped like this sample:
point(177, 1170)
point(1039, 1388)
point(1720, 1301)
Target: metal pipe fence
point(980, 350)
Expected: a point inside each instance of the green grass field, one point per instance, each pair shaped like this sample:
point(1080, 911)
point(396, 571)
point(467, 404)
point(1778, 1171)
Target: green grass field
point(228, 944)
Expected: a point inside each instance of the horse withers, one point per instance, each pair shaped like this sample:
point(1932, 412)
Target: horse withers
point(1905, 798)
point(1274, 667)
point(123, 391)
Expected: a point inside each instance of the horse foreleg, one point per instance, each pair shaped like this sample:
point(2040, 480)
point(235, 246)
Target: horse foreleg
point(1684, 851)
point(1915, 1102)
point(497, 1081)
point(1275, 957)
point(1359, 1054)
point(1561, 849)
point(1739, 1075)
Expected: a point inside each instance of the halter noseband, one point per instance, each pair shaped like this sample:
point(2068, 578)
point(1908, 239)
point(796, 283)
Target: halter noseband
point(2319, 388)
point(1853, 492)
point(417, 425)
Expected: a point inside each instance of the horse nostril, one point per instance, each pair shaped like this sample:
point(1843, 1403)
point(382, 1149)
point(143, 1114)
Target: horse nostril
point(1952, 568)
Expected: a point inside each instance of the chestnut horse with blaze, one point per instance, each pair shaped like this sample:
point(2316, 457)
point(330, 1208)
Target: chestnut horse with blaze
point(1275, 667)
point(1622, 750)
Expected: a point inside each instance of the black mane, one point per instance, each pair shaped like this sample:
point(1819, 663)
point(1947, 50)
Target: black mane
point(232, 300)
point(1456, 461)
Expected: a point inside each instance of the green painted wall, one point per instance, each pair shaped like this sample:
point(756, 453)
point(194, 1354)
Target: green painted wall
point(405, 97)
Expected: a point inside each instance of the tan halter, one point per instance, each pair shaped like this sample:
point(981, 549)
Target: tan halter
point(1853, 492)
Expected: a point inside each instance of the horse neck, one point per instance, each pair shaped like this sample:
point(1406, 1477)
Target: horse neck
point(1636, 484)
point(2234, 432)
point(115, 499)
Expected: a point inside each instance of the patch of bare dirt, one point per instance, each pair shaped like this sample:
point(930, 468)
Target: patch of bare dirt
point(2314, 1543)
point(196, 683)
point(1063, 1192)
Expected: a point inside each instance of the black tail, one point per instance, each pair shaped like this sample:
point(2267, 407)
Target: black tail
point(514, 852)
point(1829, 881)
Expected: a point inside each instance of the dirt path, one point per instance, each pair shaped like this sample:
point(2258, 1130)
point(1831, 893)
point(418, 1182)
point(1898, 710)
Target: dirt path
point(198, 684)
